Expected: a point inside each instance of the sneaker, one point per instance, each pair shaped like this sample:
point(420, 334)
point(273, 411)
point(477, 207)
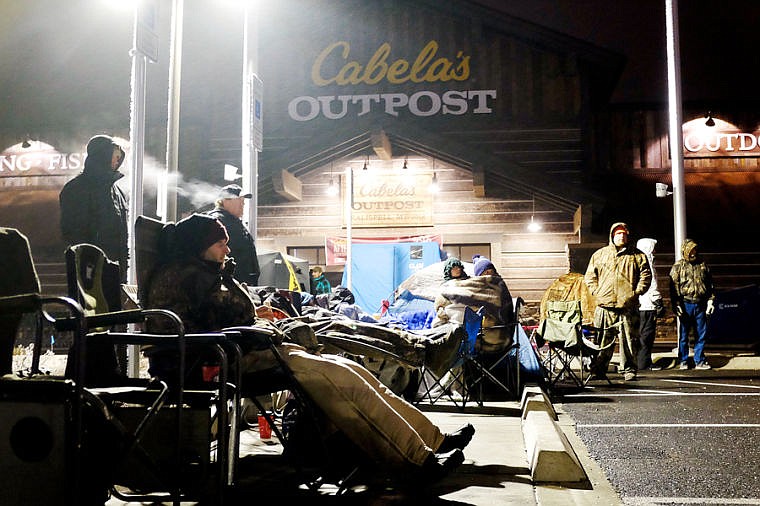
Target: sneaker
point(703, 366)
point(629, 376)
point(683, 366)
point(458, 439)
point(652, 368)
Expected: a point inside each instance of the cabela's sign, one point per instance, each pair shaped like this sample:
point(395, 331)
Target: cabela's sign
point(392, 200)
point(333, 66)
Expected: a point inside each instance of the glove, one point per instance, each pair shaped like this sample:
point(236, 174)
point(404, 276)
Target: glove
point(659, 308)
point(710, 308)
point(678, 309)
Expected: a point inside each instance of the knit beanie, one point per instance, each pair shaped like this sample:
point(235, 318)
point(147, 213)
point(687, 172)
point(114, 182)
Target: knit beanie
point(482, 264)
point(450, 264)
point(196, 233)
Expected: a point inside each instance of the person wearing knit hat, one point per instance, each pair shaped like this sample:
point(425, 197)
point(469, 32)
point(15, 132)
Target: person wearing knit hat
point(484, 267)
point(194, 285)
point(454, 269)
point(196, 233)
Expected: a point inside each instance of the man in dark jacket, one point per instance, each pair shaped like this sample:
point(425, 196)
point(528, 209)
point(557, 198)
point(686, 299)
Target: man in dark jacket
point(229, 210)
point(93, 208)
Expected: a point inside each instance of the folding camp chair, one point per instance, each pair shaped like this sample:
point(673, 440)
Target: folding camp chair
point(175, 438)
point(499, 370)
point(567, 351)
point(314, 470)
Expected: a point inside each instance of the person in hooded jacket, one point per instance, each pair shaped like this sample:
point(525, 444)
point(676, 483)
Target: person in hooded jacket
point(650, 307)
point(692, 295)
point(617, 275)
point(93, 207)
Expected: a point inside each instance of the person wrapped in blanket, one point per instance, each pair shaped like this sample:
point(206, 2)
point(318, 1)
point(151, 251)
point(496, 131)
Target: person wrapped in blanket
point(194, 283)
point(485, 289)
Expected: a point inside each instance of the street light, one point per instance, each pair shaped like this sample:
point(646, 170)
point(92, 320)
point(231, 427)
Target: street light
point(349, 203)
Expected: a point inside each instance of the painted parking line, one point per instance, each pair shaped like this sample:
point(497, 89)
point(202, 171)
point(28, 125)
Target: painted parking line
point(667, 394)
point(709, 383)
point(656, 501)
point(671, 425)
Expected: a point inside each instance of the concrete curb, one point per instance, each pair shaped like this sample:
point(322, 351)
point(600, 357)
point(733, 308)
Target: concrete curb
point(550, 455)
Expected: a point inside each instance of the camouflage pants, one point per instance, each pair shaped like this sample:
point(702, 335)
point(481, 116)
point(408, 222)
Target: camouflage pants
point(616, 325)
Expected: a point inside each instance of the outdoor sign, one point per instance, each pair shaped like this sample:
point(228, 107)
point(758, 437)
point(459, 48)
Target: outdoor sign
point(700, 141)
point(389, 199)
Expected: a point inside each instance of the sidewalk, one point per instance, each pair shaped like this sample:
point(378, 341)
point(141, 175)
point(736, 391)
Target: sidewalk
point(495, 472)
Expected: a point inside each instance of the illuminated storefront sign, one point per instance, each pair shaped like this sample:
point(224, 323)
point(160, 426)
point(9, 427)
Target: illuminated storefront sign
point(333, 66)
point(391, 200)
point(40, 163)
point(714, 143)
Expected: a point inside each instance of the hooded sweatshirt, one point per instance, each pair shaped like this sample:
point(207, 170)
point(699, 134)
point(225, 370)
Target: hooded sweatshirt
point(650, 300)
point(616, 277)
point(690, 278)
point(93, 208)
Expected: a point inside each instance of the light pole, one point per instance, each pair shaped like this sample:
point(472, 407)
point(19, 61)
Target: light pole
point(252, 116)
point(349, 203)
point(675, 124)
point(167, 206)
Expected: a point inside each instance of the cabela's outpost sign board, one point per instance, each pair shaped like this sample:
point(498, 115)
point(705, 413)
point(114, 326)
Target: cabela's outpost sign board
point(389, 200)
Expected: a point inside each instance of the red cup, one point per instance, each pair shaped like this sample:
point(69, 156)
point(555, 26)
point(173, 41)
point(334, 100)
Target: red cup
point(265, 431)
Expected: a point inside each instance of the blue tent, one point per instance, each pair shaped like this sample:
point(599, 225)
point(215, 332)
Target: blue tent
point(378, 268)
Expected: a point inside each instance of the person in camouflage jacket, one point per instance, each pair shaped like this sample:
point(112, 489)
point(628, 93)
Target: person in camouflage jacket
point(616, 275)
point(692, 294)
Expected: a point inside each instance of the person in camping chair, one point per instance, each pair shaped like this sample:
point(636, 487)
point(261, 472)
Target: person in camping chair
point(193, 283)
point(486, 289)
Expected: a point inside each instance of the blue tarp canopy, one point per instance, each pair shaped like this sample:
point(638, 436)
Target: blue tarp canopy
point(378, 268)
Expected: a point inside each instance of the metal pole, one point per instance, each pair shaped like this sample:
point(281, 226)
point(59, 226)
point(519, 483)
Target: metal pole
point(250, 158)
point(167, 206)
point(349, 203)
point(675, 120)
point(137, 138)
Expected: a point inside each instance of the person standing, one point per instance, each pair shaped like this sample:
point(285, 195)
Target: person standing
point(616, 275)
point(692, 294)
point(650, 307)
point(229, 210)
point(93, 207)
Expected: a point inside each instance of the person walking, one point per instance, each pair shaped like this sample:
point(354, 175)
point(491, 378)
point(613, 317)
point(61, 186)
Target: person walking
point(93, 207)
point(650, 308)
point(692, 295)
point(228, 209)
point(616, 275)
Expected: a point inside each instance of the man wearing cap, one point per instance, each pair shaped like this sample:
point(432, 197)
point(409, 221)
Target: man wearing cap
point(617, 275)
point(229, 210)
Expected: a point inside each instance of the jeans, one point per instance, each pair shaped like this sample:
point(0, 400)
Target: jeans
point(693, 317)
